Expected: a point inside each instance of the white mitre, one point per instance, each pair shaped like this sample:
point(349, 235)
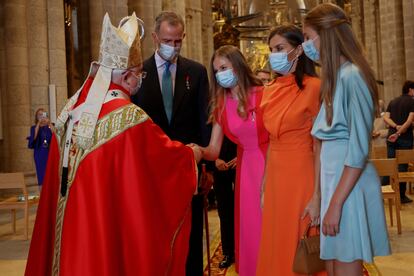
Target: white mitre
point(120, 48)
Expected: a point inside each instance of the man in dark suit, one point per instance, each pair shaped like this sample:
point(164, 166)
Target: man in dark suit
point(224, 178)
point(175, 95)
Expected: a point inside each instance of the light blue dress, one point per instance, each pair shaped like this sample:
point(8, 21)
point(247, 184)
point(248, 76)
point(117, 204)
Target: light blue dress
point(362, 230)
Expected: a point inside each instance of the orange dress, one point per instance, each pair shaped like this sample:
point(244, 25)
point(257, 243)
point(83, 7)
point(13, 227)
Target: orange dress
point(288, 114)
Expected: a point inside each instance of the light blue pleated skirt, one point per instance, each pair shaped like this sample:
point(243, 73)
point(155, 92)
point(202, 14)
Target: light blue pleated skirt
point(362, 230)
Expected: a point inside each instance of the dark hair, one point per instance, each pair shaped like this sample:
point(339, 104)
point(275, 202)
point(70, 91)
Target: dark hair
point(170, 17)
point(406, 87)
point(245, 76)
point(294, 37)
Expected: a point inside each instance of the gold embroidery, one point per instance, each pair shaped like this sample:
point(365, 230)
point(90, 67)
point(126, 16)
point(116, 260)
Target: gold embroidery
point(64, 115)
point(180, 226)
point(167, 272)
point(107, 128)
point(58, 230)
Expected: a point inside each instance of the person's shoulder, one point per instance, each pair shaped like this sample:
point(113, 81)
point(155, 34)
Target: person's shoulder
point(135, 108)
point(394, 101)
point(353, 80)
point(256, 90)
point(149, 61)
point(191, 63)
point(125, 107)
point(312, 82)
point(349, 72)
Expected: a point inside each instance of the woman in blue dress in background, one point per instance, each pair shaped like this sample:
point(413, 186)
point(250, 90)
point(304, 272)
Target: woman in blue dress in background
point(39, 140)
point(352, 211)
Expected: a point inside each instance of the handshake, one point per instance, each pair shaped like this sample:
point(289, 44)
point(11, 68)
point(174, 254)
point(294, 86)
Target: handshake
point(198, 151)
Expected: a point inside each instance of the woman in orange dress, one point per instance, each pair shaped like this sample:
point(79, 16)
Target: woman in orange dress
point(289, 107)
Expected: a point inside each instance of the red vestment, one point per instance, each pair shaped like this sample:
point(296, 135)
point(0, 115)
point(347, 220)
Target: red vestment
point(128, 206)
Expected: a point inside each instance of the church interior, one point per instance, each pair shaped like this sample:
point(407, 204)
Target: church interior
point(47, 46)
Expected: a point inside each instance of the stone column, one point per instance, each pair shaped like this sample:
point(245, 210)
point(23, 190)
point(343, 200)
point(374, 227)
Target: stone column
point(207, 31)
point(17, 89)
point(408, 21)
point(96, 13)
point(147, 11)
point(392, 45)
point(372, 39)
point(38, 55)
point(193, 21)
point(370, 34)
point(57, 51)
point(117, 10)
point(357, 19)
point(97, 9)
point(4, 141)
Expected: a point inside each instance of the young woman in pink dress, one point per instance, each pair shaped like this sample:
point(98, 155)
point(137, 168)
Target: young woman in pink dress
point(235, 102)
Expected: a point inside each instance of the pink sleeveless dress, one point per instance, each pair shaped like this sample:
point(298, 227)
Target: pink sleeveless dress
point(252, 141)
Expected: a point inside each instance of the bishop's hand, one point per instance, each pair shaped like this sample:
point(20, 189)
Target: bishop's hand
point(198, 154)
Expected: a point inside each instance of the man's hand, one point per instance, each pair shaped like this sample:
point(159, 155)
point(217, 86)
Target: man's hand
point(375, 134)
point(232, 163)
point(221, 165)
point(393, 137)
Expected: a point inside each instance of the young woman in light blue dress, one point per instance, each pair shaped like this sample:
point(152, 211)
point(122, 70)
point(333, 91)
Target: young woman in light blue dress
point(352, 211)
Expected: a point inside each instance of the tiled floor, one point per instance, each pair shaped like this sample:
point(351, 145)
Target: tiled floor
point(13, 249)
point(401, 262)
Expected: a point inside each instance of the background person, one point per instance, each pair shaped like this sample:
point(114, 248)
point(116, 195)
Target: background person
point(399, 117)
point(264, 75)
point(39, 141)
point(224, 180)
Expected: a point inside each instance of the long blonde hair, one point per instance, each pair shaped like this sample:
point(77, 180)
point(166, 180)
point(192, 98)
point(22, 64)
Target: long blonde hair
point(337, 39)
point(245, 76)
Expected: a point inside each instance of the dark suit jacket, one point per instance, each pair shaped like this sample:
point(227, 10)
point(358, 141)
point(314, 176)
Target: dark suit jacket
point(190, 105)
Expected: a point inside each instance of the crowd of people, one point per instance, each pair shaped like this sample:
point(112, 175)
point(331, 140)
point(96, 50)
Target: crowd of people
point(120, 193)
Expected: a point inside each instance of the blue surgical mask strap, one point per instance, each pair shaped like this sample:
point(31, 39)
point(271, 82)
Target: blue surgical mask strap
point(293, 61)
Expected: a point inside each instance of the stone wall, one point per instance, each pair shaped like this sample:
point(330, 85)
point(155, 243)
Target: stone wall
point(386, 29)
point(30, 60)
point(147, 11)
point(4, 143)
point(17, 83)
point(392, 46)
point(408, 21)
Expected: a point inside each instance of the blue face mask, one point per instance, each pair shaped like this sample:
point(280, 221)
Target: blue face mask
point(226, 79)
point(168, 52)
point(310, 49)
point(279, 62)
